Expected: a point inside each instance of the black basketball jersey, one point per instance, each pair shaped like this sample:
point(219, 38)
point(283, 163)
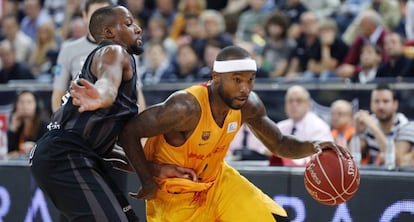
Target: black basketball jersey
point(101, 127)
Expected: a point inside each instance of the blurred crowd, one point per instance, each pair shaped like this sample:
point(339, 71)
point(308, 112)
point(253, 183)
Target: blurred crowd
point(358, 41)
point(291, 40)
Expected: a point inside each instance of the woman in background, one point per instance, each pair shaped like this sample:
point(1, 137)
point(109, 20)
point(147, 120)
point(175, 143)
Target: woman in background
point(26, 124)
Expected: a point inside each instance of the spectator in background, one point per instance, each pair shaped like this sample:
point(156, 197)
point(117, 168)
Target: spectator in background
point(186, 65)
point(26, 123)
point(77, 29)
point(345, 13)
point(73, 54)
point(250, 26)
point(301, 123)
point(22, 44)
point(73, 9)
point(404, 145)
point(159, 67)
point(214, 27)
point(322, 8)
point(308, 47)
point(193, 34)
point(332, 52)
point(409, 21)
point(370, 60)
point(12, 69)
point(41, 61)
point(140, 10)
point(381, 125)
point(398, 64)
point(342, 122)
point(165, 9)
point(246, 146)
point(209, 56)
point(371, 31)
point(278, 46)
point(35, 16)
point(388, 15)
point(195, 7)
point(158, 32)
point(293, 9)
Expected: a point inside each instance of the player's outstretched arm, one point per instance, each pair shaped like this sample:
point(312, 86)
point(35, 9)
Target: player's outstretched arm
point(254, 114)
point(110, 66)
point(178, 114)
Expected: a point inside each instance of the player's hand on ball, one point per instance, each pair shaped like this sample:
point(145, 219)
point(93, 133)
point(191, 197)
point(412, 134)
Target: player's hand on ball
point(320, 146)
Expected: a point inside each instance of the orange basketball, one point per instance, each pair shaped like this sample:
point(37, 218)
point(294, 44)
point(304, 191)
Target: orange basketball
point(331, 179)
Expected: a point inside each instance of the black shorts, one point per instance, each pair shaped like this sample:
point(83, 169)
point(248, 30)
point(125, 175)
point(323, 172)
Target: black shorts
point(77, 180)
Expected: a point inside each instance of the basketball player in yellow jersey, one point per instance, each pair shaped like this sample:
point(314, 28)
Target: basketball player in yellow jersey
point(193, 129)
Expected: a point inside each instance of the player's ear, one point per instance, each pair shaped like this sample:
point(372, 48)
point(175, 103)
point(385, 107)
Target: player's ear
point(215, 76)
point(109, 32)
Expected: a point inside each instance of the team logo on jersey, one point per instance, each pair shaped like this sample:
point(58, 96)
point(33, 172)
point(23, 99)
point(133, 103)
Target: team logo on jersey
point(205, 135)
point(232, 127)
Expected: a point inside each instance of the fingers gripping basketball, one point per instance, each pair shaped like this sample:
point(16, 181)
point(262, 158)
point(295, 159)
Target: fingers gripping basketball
point(330, 178)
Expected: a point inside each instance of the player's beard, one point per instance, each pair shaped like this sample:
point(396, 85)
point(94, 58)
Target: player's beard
point(137, 50)
point(227, 100)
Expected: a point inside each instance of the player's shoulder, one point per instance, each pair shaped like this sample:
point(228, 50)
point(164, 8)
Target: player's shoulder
point(184, 101)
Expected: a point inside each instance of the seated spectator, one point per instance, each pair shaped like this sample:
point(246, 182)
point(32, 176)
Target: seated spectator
point(342, 122)
point(246, 146)
point(35, 16)
point(166, 10)
point(307, 48)
point(388, 13)
point(214, 27)
point(346, 12)
point(373, 32)
point(46, 42)
point(251, 21)
point(370, 60)
point(195, 7)
point(209, 56)
point(322, 8)
point(26, 124)
point(22, 44)
point(278, 46)
point(158, 32)
point(376, 128)
point(332, 52)
point(301, 123)
point(158, 67)
point(398, 64)
point(293, 9)
point(186, 65)
point(12, 69)
point(404, 145)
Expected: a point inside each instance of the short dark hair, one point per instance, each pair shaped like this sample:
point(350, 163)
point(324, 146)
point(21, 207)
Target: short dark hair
point(100, 18)
point(87, 3)
point(232, 52)
point(385, 86)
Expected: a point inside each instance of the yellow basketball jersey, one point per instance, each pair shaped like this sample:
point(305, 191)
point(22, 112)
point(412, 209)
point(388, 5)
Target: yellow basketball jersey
point(205, 149)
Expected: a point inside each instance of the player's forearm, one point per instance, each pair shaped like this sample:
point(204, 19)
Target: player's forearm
point(292, 148)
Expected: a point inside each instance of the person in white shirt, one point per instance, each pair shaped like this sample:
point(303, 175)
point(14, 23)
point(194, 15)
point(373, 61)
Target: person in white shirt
point(301, 123)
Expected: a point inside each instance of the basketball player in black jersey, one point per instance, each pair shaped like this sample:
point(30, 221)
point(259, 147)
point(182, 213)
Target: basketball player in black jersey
point(67, 162)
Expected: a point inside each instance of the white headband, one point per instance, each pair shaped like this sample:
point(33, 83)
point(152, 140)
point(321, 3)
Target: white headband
point(247, 64)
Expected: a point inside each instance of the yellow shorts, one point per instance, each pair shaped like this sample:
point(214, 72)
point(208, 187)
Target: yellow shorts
point(231, 198)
